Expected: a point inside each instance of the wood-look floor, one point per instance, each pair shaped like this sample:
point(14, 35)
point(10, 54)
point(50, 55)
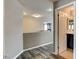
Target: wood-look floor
point(68, 54)
point(39, 53)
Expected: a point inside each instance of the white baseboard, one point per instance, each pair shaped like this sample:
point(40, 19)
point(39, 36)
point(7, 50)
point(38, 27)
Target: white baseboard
point(32, 48)
point(38, 46)
point(18, 54)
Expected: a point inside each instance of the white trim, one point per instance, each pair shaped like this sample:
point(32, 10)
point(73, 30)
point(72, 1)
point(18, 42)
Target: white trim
point(38, 46)
point(32, 48)
point(56, 12)
point(65, 5)
point(74, 51)
point(18, 54)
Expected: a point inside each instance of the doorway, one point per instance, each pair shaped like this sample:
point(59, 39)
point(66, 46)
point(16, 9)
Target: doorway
point(65, 20)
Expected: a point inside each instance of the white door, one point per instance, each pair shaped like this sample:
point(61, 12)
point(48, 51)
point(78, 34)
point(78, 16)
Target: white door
point(62, 32)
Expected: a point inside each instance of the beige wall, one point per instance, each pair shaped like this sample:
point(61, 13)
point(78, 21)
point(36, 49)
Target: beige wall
point(31, 24)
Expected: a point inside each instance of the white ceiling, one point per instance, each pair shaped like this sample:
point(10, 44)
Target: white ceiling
point(38, 7)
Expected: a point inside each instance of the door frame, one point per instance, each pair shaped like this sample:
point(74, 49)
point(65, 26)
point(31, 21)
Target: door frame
point(57, 26)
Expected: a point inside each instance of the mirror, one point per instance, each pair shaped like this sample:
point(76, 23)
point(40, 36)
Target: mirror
point(70, 24)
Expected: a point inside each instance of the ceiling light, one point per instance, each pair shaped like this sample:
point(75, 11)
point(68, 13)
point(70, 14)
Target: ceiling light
point(49, 9)
point(24, 13)
point(37, 15)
